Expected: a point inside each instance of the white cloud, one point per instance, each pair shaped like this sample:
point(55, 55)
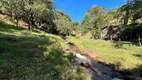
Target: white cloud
point(94, 5)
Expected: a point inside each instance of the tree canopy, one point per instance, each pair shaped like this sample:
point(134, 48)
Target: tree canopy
point(94, 21)
point(33, 12)
point(42, 14)
point(63, 23)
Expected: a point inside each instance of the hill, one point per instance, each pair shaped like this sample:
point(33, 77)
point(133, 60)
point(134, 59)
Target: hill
point(34, 55)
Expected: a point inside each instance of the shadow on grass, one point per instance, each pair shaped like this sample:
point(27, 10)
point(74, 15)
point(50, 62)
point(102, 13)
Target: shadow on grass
point(128, 74)
point(122, 44)
point(33, 58)
point(138, 55)
point(133, 74)
point(7, 27)
point(24, 58)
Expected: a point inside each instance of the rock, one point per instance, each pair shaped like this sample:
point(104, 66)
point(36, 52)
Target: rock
point(132, 77)
point(82, 62)
point(83, 58)
point(139, 78)
point(85, 64)
point(66, 42)
point(116, 79)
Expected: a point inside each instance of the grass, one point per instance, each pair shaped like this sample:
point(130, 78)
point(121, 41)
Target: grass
point(6, 19)
point(124, 55)
point(34, 55)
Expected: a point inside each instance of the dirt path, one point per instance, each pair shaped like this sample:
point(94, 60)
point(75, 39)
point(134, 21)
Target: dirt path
point(91, 65)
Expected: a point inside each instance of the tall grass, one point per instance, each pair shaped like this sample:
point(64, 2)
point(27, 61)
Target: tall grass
point(126, 54)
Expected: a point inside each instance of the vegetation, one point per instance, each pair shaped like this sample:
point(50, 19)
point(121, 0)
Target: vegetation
point(122, 52)
point(39, 14)
point(31, 51)
point(33, 12)
point(111, 24)
point(94, 19)
point(34, 55)
point(63, 23)
point(43, 15)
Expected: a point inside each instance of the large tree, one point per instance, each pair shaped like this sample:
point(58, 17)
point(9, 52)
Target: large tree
point(95, 20)
point(127, 12)
point(132, 11)
point(33, 12)
point(63, 23)
point(137, 9)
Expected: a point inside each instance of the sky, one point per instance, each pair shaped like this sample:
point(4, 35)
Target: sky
point(78, 8)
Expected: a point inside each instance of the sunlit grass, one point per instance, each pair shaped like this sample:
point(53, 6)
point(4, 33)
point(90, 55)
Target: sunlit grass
point(125, 54)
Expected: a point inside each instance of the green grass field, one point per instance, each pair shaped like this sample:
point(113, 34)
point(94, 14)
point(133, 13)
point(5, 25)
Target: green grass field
point(37, 55)
point(124, 55)
point(34, 55)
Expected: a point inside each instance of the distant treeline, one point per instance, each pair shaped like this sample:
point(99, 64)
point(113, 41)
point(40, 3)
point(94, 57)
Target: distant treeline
point(120, 23)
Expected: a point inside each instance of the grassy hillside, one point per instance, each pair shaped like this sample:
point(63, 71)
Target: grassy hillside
point(124, 55)
point(34, 55)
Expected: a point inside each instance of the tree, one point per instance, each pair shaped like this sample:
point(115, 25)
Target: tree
point(33, 12)
point(112, 17)
point(127, 12)
point(95, 20)
point(63, 23)
point(38, 12)
point(132, 9)
point(137, 9)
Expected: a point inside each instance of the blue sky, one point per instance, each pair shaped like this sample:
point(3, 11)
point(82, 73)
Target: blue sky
point(78, 8)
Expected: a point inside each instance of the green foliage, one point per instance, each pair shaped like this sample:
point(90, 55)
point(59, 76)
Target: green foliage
point(137, 9)
point(33, 12)
point(94, 21)
point(99, 19)
point(112, 14)
point(132, 10)
point(113, 17)
point(63, 23)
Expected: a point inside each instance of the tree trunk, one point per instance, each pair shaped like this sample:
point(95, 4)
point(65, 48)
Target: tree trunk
point(93, 36)
point(126, 18)
point(111, 38)
point(17, 22)
point(119, 45)
point(29, 27)
point(1, 12)
point(131, 35)
point(102, 36)
point(139, 40)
